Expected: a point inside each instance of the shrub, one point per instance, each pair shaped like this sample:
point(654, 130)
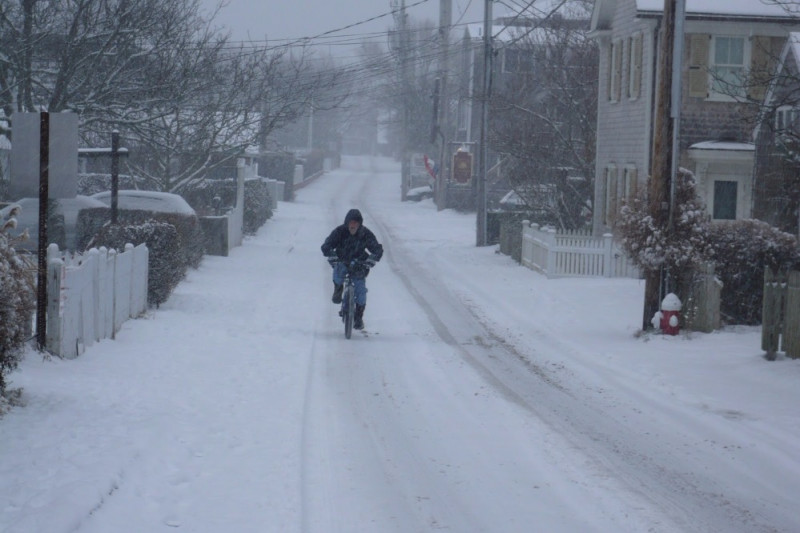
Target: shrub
point(191, 245)
point(211, 194)
point(166, 266)
point(279, 166)
point(651, 247)
point(257, 205)
point(17, 303)
point(257, 200)
point(741, 252)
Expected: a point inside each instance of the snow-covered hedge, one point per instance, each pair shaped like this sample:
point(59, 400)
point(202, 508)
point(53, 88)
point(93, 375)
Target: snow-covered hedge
point(650, 247)
point(191, 245)
point(740, 250)
point(279, 166)
point(167, 264)
point(257, 205)
point(17, 302)
point(257, 200)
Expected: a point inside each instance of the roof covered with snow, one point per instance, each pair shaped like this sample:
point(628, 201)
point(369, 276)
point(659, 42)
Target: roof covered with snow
point(603, 11)
point(746, 8)
point(723, 145)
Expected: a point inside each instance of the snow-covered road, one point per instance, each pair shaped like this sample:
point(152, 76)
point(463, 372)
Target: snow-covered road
point(482, 397)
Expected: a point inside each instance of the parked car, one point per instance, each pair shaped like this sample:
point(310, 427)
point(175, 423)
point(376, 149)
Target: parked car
point(160, 202)
point(28, 219)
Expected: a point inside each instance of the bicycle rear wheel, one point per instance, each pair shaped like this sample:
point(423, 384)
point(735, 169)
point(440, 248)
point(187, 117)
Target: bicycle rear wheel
point(349, 310)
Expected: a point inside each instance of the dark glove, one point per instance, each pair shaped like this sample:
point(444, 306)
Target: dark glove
point(332, 259)
point(370, 261)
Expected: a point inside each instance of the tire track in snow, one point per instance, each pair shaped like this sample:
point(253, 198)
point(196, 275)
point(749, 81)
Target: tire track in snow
point(677, 498)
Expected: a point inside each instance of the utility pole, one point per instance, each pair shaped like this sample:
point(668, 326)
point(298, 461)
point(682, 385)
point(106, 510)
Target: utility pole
point(661, 171)
point(404, 161)
point(443, 118)
point(480, 188)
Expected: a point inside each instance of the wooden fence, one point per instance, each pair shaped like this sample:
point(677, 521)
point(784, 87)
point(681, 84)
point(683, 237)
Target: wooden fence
point(89, 296)
point(573, 254)
point(780, 318)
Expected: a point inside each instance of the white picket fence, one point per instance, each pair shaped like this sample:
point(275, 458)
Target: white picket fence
point(89, 296)
point(573, 254)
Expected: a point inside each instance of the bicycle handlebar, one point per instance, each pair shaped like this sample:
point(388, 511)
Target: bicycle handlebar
point(353, 263)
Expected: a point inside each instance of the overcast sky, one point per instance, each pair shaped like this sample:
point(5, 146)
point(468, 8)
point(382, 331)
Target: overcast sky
point(280, 20)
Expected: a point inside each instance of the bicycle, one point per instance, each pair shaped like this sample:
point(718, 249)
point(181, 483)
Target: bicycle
point(347, 311)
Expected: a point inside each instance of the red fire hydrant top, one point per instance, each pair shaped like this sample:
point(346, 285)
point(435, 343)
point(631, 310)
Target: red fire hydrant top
point(670, 313)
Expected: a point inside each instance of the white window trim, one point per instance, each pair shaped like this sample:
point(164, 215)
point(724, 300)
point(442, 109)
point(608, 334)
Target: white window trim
point(721, 97)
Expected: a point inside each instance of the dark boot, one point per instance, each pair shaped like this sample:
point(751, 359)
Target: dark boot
point(358, 319)
point(337, 293)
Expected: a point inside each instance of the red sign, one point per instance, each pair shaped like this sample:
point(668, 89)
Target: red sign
point(462, 167)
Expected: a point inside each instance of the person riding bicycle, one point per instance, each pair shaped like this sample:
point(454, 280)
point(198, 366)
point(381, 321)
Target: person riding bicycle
point(352, 241)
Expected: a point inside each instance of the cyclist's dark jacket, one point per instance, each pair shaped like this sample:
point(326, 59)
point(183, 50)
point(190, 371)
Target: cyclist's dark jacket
point(348, 247)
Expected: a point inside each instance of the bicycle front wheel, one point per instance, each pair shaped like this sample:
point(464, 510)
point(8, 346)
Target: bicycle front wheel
point(349, 311)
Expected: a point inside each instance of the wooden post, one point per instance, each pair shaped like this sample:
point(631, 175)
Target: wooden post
point(771, 311)
point(660, 174)
point(44, 196)
point(791, 320)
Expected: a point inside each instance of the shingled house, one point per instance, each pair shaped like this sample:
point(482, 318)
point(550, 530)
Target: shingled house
point(728, 47)
point(776, 177)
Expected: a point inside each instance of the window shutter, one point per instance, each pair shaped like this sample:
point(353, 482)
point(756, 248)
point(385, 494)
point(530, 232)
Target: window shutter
point(760, 67)
point(699, 45)
point(609, 85)
point(611, 195)
point(633, 185)
point(618, 71)
point(636, 84)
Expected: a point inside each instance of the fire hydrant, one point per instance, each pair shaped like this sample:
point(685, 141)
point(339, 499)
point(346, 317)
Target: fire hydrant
point(670, 315)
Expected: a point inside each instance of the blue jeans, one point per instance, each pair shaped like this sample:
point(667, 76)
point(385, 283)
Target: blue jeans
point(359, 283)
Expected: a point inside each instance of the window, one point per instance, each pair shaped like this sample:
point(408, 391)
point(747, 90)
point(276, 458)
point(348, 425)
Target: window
point(729, 57)
point(786, 119)
point(725, 200)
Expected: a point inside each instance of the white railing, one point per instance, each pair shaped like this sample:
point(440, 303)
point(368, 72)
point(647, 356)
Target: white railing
point(573, 254)
point(89, 296)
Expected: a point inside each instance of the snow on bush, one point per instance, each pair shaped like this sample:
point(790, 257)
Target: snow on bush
point(742, 250)
point(211, 195)
point(166, 266)
point(17, 302)
point(651, 247)
point(192, 243)
point(257, 205)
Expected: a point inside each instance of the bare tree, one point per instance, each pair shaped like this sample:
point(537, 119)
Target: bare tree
point(543, 116)
point(182, 94)
point(411, 92)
